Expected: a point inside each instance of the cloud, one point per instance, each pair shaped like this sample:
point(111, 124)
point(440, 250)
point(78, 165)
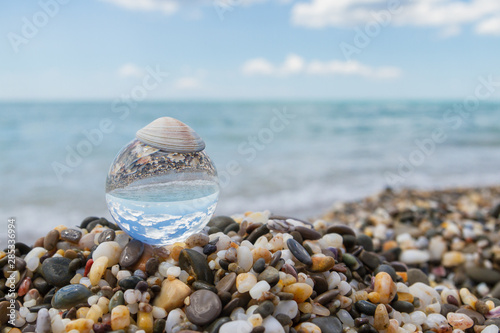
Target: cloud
point(130, 71)
point(187, 83)
point(166, 6)
point(448, 15)
point(489, 26)
point(294, 64)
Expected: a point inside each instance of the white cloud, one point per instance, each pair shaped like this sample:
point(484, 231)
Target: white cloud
point(449, 15)
point(130, 71)
point(489, 26)
point(165, 6)
point(294, 64)
point(187, 83)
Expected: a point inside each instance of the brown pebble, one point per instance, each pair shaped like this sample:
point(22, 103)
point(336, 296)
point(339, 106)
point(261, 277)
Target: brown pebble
point(152, 266)
point(50, 241)
point(321, 264)
point(70, 254)
point(39, 242)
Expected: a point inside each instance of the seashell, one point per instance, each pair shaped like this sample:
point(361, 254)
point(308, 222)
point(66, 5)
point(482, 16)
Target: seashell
point(171, 135)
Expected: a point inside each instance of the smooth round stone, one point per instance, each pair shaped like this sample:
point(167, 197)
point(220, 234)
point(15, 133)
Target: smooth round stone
point(220, 222)
point(129, 282)
point(56, 271)
point(403, 306)
point(321, 264)
point(367, 328)
point(226, 283)
point(131, 253)
point(259, 265)
point(416, 275)
point(71, 295)
point(365, 241)
point(260, 231)
point(270, 275)
point(110, 249)
point(239, 326)
point(308, 233)
point(41, 285)
point(272, 325)
point(289, 308)
point(414, 257)
point(265, 309)
point(245, 258)
point(283, 319)
point(43, 321)
point(340, 229)
point(51, 239)
point(327, 296)
point(204, 307)
point(481, 274)
point(71, 235)
point(117, 299)
point(351, 261)
point(328, 324)
point(370, 259)
point(152, 266)
point(196, 265)
point(298, 251)
point(107, 235)
point(446, 308)
point(365, 307)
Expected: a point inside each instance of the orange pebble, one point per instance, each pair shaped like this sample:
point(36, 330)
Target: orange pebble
point(389, 245)
point(175, 252)
point(403, 275)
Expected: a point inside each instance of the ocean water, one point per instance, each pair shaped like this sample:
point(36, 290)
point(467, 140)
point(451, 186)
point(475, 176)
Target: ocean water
point(291, 158)
point(162, 214)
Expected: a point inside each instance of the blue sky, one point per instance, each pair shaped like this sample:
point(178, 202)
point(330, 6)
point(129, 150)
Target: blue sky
point(247, 49)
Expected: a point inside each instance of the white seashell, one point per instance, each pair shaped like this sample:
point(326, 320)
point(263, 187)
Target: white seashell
point(171, 135)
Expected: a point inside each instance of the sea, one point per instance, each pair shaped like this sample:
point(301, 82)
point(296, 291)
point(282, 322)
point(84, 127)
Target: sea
point(291, 158)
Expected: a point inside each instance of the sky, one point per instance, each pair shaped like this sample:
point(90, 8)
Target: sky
point(247, 49)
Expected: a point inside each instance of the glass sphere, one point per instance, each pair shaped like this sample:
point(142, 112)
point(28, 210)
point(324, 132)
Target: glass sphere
point(161, 197)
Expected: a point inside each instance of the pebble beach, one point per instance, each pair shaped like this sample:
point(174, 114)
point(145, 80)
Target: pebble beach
point(405, 261)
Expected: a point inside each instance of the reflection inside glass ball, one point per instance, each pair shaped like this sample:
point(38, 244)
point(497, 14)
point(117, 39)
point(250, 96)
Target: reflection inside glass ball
point(161, 197)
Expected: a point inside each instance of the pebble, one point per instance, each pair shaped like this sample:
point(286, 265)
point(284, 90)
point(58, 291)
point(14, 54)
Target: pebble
point(270, 275)
point(321, 264)
point(204, 307)
point(272, 325)
point(481, 274)
point(260, 265)
point(245, 258)
point(236, 326)
point(245, 282)
point(267, 308)
point(459, 321)
point(43, 321)
point(226, 283)
point(51, 239)
point(97, 270)
point(70, 295)
point(80, 325)
point(385, 287)
point(381, 318)
point(365, 307)
point(111, 250)
point(196, 265)
point(131, 253)
point(301, 291)
point(328, 324)
point(259, 289)
point(108, 235)
point(298, 251)
point(414, 257)
point(120, 317)
point(71, 235)
point(307, 327)
point(289, 308)
point(415, 275)
point(56, 271)
point(172, 295)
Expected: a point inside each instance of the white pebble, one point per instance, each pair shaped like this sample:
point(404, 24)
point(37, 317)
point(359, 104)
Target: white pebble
point(93, 300)
point(333, 280)
point(133, 308)
point(163, 268)
point(31, 317)
point(85, 281)
point(259, 289)
point(115, 269)
point(175, 317)
point(111, 250)
point(33, 264)
point(331, 240)
point(490, 329)
point(245, 258)
point(30, 303)
point(239, 326)
point(289, 308)
point(418, 317)
point(272, 325)
point(158, 312)
point(174, 271)
point(238, 314)
point(344, 287)
point(345, 318)
point(413, 256)
point(122, 274)
point(130, 296)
